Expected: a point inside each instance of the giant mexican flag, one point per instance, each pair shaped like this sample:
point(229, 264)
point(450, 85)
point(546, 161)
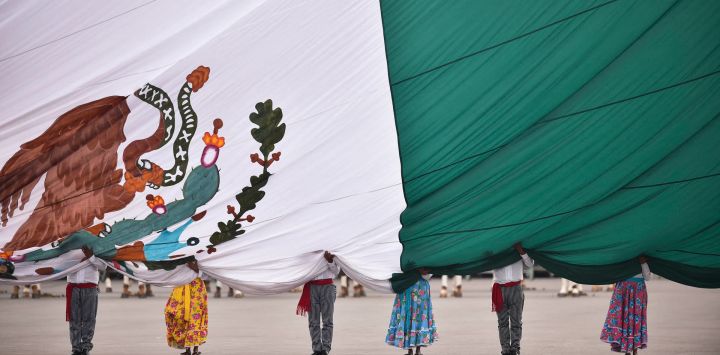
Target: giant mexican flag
point(252, 136)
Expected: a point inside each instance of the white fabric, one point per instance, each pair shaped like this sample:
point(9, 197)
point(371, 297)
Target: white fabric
point(512, 272)
point(337, 186)
point(66, 264)
point(181, 275)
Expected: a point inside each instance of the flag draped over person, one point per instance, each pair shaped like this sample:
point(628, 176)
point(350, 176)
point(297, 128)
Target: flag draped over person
point(252, 136)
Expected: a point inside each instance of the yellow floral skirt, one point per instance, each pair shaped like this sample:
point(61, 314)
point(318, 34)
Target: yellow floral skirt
point(186, 315)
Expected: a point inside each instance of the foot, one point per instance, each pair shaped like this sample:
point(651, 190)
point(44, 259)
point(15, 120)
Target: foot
point(457, 292)
point(443, 292)
point(359, 291)
point(343, 291)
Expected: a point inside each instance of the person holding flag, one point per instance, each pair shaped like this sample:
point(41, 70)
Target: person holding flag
point(318, 300)
point(186, 315)
point(81, 296)
point(508, 300)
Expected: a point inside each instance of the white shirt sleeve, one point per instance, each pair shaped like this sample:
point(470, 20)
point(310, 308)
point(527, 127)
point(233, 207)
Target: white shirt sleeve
point(97, 263)
point(645, 271)
point(527, 260)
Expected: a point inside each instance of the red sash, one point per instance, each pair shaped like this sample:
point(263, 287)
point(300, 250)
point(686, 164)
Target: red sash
point(304, 304)
point(497, 300)
point(68, 295)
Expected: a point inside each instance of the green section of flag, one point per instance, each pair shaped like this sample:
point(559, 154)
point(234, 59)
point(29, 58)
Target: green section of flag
point(587, 130)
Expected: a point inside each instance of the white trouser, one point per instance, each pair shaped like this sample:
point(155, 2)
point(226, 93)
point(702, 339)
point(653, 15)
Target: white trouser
point(567, 285)
point(444, 280)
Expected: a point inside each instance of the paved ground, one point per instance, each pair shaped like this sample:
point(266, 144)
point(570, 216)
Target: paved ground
point(682, 320)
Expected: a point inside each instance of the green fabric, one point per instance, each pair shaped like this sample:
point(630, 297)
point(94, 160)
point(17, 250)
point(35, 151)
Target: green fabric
point(587, 130)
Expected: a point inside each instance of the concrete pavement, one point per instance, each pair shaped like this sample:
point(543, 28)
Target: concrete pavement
point(682, 320)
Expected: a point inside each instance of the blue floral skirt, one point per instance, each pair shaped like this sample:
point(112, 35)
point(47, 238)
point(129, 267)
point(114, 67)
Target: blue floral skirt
point(411, 322)
point(625, 327)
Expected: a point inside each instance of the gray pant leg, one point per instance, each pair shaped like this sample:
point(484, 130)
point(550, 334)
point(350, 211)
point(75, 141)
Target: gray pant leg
point(314, 318)
point(516, 300)
point(83, 309)
point(75, 321)
point(503, 327)
point(329, 292)
point(89, 312)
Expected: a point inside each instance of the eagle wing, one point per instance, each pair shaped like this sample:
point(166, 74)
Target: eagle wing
point(77, 155)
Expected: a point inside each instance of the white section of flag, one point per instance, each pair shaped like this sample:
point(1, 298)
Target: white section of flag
point(337, 186)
